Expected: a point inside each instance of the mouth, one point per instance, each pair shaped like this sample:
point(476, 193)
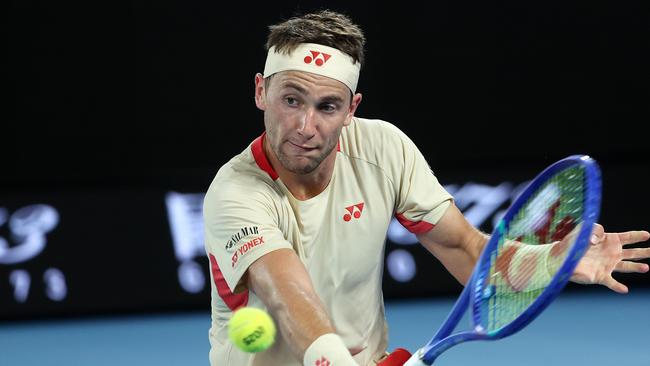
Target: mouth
point(301, 147)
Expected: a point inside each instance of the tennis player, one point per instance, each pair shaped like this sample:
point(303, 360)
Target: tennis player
point(296, 223)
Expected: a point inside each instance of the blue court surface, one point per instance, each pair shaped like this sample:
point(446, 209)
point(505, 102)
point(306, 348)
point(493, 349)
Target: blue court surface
point(596, 328)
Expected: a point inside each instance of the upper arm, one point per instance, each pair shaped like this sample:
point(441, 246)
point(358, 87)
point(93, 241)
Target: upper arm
point(452, 231)
point(455, 242)
point(426, 209)
point(242, 231)
point(240, 227)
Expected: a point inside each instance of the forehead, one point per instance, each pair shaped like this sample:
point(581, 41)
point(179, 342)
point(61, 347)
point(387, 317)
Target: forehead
point(309, 83)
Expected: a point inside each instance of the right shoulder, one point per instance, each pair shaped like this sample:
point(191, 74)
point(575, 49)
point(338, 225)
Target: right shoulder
point(241, 181)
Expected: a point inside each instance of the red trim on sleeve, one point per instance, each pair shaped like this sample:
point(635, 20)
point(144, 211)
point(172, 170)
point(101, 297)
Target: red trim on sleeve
point(260, 157)
point(416, 227)
point(338, 146)
point(234, 301)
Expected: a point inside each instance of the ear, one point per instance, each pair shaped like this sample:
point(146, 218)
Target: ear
point(260, 92)
point(356, 100)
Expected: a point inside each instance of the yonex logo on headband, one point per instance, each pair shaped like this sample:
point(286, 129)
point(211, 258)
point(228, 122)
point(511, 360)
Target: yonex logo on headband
point(316, 59)
point(319, 61)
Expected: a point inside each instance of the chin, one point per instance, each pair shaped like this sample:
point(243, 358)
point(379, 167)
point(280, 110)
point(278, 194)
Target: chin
point(302, 168)
point(299, 165)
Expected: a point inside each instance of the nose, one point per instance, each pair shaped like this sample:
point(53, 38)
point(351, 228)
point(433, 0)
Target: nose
point(307, 125)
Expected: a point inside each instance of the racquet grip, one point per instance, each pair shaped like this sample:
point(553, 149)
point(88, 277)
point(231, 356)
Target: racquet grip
point(396, 358)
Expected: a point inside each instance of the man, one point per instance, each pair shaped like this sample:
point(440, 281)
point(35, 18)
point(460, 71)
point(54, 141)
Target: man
point(296, 223)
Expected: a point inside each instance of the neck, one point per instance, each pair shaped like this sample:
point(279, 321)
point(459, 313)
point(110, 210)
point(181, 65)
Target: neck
point(303, 186)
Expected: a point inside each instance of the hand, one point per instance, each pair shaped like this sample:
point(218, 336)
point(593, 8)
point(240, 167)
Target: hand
point(606, 255)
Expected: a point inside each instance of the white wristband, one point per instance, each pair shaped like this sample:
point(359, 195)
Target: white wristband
point(531, 267)
point(326, 350)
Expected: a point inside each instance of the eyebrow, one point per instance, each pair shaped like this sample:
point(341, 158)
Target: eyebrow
point(329, 98)
point(299, 88)
point(333, 99)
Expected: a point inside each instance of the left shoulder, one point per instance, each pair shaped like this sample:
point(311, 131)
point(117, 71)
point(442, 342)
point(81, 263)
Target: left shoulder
point(371, 138)
point(370, 128)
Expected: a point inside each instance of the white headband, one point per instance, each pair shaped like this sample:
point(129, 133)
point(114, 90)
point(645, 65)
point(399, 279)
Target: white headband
point(317, 59)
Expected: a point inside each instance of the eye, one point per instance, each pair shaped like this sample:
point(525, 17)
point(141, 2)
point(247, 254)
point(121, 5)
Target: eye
point(327, 107)
point(291, 101)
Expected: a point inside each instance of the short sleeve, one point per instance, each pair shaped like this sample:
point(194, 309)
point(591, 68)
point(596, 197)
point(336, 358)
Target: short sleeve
point(421, 199)
point(240, 227)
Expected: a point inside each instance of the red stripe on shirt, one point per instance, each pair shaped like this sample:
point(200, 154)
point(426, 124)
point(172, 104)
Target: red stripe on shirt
point(416, 227)
point(234, 301)
point(260, 157)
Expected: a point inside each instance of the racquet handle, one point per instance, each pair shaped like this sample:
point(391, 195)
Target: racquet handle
point(396, 358)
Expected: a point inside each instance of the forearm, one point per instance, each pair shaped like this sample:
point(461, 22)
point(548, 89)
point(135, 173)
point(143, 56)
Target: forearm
point(280, 280)
point(460, 260)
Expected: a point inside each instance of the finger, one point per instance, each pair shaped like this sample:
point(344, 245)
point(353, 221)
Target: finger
point(631, 267)
point(637, 253)
point(597, 234)
point(631, 237)
point(616, 286)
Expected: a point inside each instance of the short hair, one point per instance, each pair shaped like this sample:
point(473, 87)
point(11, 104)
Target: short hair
point(324, 27)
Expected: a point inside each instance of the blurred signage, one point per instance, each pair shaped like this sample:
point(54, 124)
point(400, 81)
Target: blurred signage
point(28, 228)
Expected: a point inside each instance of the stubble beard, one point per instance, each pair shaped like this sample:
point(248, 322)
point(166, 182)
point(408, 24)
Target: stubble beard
point(297, 165)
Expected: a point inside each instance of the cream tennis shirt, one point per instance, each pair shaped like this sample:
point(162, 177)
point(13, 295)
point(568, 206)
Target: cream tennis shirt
point(339, 234)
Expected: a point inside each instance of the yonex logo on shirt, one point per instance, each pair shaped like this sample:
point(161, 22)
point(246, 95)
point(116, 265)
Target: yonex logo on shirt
point(242, 250)
point(353, 211)
point(319, 61)
point(322, 362)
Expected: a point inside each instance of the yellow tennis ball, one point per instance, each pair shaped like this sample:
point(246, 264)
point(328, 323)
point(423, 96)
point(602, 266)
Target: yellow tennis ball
point(251, 329)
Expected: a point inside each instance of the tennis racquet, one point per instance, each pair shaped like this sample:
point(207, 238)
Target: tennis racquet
point(529, 257)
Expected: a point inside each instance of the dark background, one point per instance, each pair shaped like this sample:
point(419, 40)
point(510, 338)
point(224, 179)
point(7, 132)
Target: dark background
point(112, 105)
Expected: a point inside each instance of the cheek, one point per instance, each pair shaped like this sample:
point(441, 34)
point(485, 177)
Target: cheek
point(283, 120)
point(272, 116)
point(275, 124)
point(330, 135)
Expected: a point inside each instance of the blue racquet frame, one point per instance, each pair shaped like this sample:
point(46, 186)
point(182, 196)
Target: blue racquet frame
point(442, 340)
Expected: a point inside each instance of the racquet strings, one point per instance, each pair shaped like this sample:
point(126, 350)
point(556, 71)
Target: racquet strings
point(529, 250)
